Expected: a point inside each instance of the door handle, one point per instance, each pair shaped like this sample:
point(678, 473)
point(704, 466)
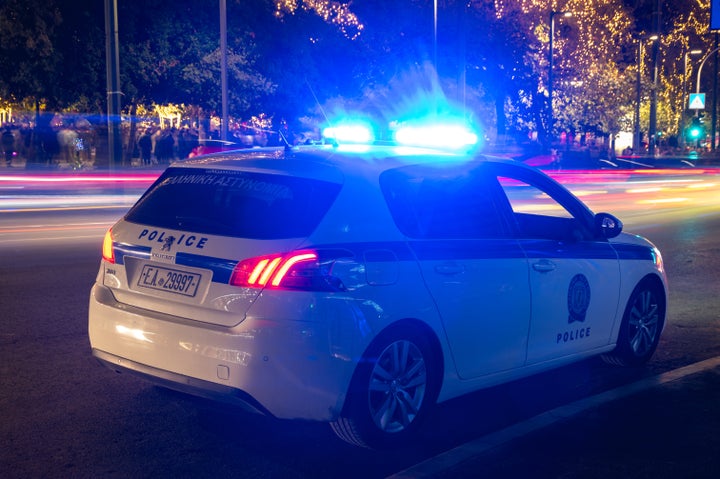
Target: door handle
point(544, 266)
point(449, 269)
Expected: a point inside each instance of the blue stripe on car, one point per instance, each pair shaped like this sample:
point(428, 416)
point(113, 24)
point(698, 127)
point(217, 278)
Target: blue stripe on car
point(634, 251)
point(438, 250)
point(428, 250)
point(222, 268)
point(122, 249)
point(568, 250)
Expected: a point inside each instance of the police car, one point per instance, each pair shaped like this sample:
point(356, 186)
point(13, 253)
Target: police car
point(361, 285)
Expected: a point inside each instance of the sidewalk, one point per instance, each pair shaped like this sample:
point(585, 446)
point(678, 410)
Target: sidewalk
point(666, 426)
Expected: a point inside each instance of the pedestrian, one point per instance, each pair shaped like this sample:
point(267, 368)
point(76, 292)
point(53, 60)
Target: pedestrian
point(145, 145)
point(8, 144)
point(164, 146)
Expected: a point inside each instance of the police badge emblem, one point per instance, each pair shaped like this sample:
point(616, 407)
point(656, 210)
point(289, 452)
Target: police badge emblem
point(578, 298)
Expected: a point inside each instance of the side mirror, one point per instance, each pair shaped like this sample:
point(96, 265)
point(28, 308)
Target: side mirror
point(607, 225)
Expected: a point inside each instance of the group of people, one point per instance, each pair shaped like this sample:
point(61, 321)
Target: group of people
point(163, 145)
point(55, 142)
point(160, 145)
point(73, 144)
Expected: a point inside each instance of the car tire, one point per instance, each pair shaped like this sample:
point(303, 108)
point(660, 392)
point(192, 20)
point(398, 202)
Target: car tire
point(641, 326)
point(394, 386)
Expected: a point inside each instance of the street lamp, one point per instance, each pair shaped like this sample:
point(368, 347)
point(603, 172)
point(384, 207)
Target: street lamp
point(681, 128)
point(702, 63)
point(638, 92)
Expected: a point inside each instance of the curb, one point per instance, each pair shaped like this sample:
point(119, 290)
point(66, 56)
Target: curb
point(454, 457)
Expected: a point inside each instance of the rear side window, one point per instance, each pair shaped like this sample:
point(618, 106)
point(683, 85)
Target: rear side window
point(235, 203)
point(429, 203)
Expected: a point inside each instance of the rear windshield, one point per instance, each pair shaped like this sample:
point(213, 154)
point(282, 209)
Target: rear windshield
point(235, 203)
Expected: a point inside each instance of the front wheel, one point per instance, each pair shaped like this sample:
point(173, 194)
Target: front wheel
point(393, 388)
point(641, 326)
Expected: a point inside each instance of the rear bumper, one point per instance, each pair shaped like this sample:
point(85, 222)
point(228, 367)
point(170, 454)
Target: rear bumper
point(282, 368)
point(178, 382)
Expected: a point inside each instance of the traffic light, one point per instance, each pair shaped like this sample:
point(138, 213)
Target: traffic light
point(696, 131)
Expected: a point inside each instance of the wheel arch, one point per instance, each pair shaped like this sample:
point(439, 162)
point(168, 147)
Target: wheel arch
point(622, 354)
point(655, 280)
point(402, 328)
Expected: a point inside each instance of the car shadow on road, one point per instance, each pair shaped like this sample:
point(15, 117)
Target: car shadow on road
point(311, 449)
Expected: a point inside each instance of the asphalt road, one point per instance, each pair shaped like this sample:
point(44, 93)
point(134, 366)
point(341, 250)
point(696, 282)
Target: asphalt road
point(65, 416)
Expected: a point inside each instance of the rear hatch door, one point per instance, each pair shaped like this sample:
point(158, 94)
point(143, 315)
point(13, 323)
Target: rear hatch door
point(176, 249)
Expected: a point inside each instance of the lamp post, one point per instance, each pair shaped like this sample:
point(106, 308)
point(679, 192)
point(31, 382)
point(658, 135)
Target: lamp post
point(681, 127)
point(702, 63)
point(638, 92)
point(652, 128)
point(112, 65)
point(223, 69)
point(551, 122)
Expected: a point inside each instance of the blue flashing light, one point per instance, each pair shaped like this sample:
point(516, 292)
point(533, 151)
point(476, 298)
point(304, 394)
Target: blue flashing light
point(448, 136)
point(350, 132)
point(439, 132)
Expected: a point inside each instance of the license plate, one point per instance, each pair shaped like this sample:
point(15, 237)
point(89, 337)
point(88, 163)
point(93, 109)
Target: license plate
point(170, 280)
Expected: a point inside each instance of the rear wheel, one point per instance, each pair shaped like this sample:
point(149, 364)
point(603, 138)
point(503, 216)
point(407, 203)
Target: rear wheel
point(641, 326)
point(393, 388)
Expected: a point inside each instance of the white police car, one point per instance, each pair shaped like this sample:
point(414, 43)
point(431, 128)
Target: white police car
point(360, 285)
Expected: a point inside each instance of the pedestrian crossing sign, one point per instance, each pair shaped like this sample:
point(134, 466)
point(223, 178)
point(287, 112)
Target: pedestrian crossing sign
point(697, 101)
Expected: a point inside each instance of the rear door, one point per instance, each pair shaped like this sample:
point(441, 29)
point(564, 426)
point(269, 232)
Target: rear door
point(476, 274)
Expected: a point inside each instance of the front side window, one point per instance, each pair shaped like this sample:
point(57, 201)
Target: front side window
point(537, 214)
point(529, 199)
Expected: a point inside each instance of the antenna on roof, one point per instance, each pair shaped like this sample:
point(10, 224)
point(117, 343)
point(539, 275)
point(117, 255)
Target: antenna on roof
point(288, 146)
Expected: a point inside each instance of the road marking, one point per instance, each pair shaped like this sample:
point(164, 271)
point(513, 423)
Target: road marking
point(97, 237)
point(68, 227)
point(485, 444)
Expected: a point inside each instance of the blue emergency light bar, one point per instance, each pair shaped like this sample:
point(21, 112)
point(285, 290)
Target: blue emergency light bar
point(434, 133)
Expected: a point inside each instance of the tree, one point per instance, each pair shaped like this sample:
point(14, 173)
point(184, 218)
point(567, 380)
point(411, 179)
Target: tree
point(290, 57)
point(170, 53)
point(28, 55)
point(684, 27)
point(52, 52)
point(586, 48)
point(501, 57)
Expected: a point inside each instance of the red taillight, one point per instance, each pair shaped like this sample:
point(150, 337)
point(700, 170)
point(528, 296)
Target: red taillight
point(108, 253)
point(299, 270)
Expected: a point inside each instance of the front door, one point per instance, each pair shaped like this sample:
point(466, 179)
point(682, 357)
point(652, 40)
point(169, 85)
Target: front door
point(574, 277)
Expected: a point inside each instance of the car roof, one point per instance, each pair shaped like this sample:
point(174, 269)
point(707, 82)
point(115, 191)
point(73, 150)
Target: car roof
point(332, 162)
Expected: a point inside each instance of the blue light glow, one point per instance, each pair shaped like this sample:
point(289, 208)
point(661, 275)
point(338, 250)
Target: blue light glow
point(453, 136)
point(350, 131)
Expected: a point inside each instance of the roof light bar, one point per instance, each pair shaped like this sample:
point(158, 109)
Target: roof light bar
point(350, 133)
point(445, 136)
